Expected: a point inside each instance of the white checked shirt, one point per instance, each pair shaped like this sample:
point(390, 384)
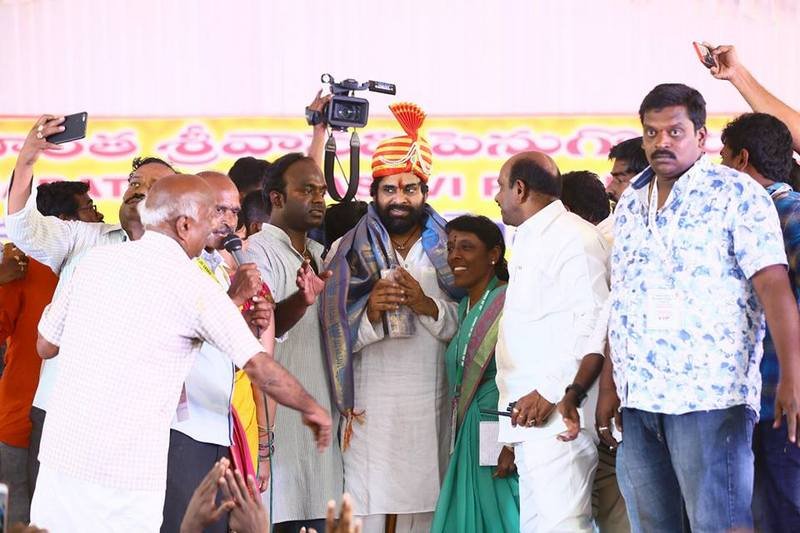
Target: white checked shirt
point(558, 284)
point(129, 325)
point(59, 244)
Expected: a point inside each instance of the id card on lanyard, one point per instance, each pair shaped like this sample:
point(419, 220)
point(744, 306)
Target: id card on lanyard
point(662, 301)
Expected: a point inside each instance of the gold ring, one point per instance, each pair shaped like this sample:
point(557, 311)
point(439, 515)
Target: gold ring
point(39, 135)
point(531, 422)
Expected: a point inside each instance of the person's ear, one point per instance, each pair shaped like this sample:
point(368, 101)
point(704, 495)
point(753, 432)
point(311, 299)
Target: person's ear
point(276, 199)
point(494, 255)
point(183, 227)
point(702, 136)
point(742, 160)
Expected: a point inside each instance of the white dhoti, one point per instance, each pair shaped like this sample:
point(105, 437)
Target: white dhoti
point(64, 504)
point(555, 484)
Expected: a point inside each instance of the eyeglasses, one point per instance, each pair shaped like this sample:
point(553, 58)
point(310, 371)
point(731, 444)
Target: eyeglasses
point(90, 206)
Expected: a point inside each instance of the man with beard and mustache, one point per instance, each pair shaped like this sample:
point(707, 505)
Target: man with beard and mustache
point(303, 481)
point(200, 433)
point(388, 314)
point(60, 244)
point(628, 160)
point(698, 261)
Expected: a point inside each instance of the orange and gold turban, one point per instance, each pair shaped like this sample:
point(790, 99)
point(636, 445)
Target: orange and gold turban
point(407, 153)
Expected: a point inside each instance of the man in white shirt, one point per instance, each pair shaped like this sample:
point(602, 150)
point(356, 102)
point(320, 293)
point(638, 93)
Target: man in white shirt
point(201, 429)
point(61, 244)
point(388, 314)
point(546, 348)
point(104, 447)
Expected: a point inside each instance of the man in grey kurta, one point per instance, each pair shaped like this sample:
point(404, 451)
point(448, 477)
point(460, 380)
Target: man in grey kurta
point(303, 481)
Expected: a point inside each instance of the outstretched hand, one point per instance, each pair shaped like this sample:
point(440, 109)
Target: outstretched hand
point(309, 283)
point(203, 509)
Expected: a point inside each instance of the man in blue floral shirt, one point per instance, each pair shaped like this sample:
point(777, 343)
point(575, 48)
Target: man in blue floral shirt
point(760, 145)
point(698, 260)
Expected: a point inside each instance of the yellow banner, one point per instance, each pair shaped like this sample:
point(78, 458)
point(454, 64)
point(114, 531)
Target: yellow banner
point(467, 152)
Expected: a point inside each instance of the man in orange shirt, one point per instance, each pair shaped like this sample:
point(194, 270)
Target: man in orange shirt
point(24, 292)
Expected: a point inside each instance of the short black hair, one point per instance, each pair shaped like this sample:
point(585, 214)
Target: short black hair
point(341, 218)
point(535, 177)
point(767, 140)
point(253, 209)
point(584, 194)
point(58, 198)
point(488, 233)
point(631, 152)
point(142, 161)
point(794, 175)
point(274, 177)
point(676, 94)
point(373, 187)
point(247, 173)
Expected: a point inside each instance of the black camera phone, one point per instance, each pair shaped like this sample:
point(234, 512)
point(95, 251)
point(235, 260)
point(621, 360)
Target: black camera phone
point(74, 129)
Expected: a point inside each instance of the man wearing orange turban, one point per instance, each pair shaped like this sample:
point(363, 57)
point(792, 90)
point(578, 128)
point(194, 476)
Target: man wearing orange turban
point(387, 317)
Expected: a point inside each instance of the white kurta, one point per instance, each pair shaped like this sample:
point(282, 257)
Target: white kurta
point(397, 457)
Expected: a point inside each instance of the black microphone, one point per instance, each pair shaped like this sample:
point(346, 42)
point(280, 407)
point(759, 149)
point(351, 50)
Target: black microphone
point(233, 244)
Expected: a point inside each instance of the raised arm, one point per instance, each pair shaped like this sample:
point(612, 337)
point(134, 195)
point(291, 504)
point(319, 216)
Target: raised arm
point(757, 96)
point(318, 138)
point(35, 143)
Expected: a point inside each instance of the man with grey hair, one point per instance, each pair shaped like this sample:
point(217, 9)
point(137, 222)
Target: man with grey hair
point(156, 310)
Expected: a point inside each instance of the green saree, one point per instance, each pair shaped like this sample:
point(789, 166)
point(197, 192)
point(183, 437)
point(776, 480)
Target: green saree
point(471, 500)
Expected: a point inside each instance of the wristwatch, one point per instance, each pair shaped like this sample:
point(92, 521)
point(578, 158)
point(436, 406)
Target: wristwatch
point(578, 390)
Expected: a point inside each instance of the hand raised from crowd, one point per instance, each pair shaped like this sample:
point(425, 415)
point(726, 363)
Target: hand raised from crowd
point(346, 523)
point(245, 283)
point(36, 141)
point(727, 65)
point(531, 410)
point(415, 297)
point(309, 283)
point(248, 514)
point(14, 265)
point(318, 104)
point(203, 509)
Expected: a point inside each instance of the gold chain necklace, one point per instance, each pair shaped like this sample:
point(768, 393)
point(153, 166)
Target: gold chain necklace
point(402, 247)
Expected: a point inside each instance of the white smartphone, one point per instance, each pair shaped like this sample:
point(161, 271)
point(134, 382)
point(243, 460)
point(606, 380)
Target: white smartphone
point(3, 508)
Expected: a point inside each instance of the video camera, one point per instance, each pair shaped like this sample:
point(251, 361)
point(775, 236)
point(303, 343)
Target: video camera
point(345, 110)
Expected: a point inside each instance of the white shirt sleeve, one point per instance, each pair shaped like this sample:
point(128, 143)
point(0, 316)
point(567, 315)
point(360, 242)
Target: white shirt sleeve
point(446, 323)
point(46, 239)
point(51, 324)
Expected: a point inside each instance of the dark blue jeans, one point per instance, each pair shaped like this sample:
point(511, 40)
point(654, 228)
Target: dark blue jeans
point(703, 458)
point(776, 497)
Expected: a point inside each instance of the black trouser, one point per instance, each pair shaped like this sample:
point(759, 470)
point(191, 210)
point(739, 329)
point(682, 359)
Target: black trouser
point(37, 423)
point(189, 462)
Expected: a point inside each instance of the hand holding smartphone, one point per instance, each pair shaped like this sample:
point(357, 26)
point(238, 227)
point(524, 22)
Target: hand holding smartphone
point(704, 54)
point(74, 129)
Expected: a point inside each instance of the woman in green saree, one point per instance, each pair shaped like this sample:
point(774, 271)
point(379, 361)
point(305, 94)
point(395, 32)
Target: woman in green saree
point(476, 498)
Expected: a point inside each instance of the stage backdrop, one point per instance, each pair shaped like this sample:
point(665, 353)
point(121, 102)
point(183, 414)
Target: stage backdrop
point(467, 152)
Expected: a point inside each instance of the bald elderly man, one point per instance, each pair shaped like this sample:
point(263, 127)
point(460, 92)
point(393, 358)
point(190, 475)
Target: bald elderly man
point(201, 429)
point(127, 330)
point(548, 353)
